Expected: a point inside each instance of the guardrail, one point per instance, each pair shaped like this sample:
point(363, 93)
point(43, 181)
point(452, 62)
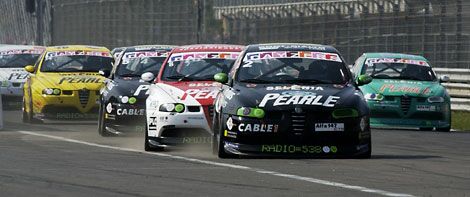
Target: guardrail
point(458, 87)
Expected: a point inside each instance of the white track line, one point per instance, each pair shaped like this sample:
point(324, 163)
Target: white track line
point(213, 163)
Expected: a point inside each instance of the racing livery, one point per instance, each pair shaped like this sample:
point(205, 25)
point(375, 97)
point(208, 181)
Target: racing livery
point(65, 84)
point(291, 99)
point(122, 102)
point(405, 92)
point(180, 103)
point(13, 59)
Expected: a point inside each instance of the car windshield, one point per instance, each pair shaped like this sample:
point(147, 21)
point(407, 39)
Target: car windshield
point(399, 69)
point(180, 67)
point(284, 69)
point(18, 60)
point(77, 63)
point(137, 66)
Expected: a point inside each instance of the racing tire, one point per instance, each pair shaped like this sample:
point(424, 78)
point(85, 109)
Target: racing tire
point(25, 116)
point(102, 124)
point(147, 145)
point(30, 114)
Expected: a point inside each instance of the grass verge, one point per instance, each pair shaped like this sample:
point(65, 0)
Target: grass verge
point(461, 120)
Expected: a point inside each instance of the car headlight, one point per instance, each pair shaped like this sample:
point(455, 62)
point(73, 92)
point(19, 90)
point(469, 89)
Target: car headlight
point(436, 99)
point(251, 112)
point(124, 99)
point(345, 113)
point(374, 97)
point(51, 91)
point(172, 107)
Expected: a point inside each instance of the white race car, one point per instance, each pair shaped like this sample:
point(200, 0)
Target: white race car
point(13, 58)
point(180, 103)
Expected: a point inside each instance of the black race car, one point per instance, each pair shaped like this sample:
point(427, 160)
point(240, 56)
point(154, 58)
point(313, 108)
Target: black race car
point(122, 100)
point(291, 99)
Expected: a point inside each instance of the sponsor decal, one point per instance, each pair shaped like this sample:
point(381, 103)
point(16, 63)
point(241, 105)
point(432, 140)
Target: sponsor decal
point(229, 123)
point(213, 84)
point(295, 87)
point(293, 149)
point(20, 51)
point(285, 99)
point(275, 47)
point(133, 55)
point(18, 76)
point(75, 116)
point(425, 108)
point(403, 89)
point(51, 55)
point(142, 88)
point(396, 60)
point(292, 54)
point(200, 94)
point(329, 126)
point(212, 47)
point(130, 112)
point(152, 124)
point(197, 140)
point(203, 55)
point(230, 134)
point(80, 80)
point(258, 128)
point(109, 108)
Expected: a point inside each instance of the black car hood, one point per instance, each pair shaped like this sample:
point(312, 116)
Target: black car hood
point(131, 86)
point(272, 97)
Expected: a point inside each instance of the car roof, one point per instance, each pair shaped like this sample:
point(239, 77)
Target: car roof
point(77, 47)
point(395, 55)
point(209, 48)
point(291, 46)
point(20, 47)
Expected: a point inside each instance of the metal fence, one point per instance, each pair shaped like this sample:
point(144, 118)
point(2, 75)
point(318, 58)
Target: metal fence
point(437, 29)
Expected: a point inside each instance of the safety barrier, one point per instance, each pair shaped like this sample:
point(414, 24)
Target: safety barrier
point(458, 87)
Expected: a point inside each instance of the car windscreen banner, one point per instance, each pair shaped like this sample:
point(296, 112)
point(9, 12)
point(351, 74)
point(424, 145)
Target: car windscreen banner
point(293, 54)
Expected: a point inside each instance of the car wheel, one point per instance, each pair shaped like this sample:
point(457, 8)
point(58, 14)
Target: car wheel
point(147, 145)
point(102, 123)
point(25, 115)
point(30, 114)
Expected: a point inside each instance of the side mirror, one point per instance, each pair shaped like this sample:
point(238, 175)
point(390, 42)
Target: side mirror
point(104, 72)
point(147, 77)
point(221, 78)
point(29, 68)
point(363, 80)
point(444, 79)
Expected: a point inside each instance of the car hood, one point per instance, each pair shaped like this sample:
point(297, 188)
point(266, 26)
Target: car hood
point(71, 81)
point(288, 96)
point(13, 75)
point(391, 87)
point(131, 86)
point(190, 93)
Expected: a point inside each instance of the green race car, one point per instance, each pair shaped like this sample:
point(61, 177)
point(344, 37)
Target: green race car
point(404, 92)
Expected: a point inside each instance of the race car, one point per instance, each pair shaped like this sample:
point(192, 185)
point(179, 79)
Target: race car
point(180, 103)
point(65, 83)
point(405, 92)
point(122, 100)
point(291, 100)
point(13, 59)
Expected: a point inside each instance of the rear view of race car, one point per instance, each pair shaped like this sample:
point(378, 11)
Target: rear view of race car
point(180, 103)
point(291, 99)
point(13, 59)
point(122, 102)
point(65, 83)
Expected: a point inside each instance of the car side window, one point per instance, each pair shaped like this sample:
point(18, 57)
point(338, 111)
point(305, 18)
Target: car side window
point(358, 65)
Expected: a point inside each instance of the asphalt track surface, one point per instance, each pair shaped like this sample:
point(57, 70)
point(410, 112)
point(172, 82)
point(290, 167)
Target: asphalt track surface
point(71, 159)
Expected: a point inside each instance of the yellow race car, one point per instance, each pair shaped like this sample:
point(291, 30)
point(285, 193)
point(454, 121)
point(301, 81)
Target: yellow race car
point(65, 83)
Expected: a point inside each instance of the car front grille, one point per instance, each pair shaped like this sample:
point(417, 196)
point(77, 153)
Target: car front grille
point(83, 96)
point(405, 104)
point(298, 122)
